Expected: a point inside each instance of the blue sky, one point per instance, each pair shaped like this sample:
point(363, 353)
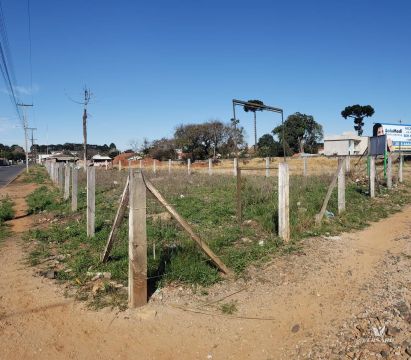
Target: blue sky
point(154, 65)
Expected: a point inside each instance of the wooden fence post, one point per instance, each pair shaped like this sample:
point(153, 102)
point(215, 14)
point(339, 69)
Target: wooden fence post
point(210, 166)
point(67, 181)
point(372, 176)
point(74, 181)
point(91, 200)
point(400, 178)
point(389, 171)
point(154, 166)
point(169, 166)
point(141, 164)
point(267, 167)
point(119, 165)
point(283, 202)
point(189, 166)
point(106, 164)
point(235, 162)
point(137, 240)
point(56, 174)
point(341, 186)
point(305, 166)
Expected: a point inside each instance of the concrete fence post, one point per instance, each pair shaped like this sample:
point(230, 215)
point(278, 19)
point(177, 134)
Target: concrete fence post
point(283, 202)
point(341, 186)
point(372, 176)
point(210, 166)
point(67, 182)
point(235, 165)
point(169, 166)
point(400, 176)
point(389, 171)
point(91, 200)
point(74, 181)
point(189, 166)
point(267, 167)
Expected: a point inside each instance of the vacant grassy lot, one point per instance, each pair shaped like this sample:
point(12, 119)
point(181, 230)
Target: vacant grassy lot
point(208, 203)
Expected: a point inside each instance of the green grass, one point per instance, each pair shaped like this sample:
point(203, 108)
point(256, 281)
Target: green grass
point(208, 204)
point(6, 210)
point(37, 174)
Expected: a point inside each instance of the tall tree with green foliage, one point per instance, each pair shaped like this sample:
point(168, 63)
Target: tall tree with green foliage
point(254, 106)
point(301, 132)
point(358, 113)
point(267, 146)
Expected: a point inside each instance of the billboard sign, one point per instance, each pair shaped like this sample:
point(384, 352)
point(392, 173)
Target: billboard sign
point(400, 134)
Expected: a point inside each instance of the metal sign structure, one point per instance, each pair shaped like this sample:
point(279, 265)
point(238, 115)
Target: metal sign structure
point(260, 107)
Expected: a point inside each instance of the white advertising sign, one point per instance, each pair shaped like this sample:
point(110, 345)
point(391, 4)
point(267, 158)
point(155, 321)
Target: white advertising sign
point(400, 134)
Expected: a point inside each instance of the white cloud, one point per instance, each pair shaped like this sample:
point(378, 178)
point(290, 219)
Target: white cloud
point(23, 90)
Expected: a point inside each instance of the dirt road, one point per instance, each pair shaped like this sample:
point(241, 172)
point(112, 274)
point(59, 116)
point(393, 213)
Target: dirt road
point(319, 303)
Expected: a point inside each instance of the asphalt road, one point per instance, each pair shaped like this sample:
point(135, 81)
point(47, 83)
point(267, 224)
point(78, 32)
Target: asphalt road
point(7, 173)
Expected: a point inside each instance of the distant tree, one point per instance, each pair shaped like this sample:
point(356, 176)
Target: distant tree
point(253, 106)
point(112, 146)
point(163, 149)
point(300, 130)
point(267, 146)
point(358, 113)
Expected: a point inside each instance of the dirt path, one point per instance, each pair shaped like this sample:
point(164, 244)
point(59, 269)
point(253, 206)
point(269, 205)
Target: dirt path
point(305, 305)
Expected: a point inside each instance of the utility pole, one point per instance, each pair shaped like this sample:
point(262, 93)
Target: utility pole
point(87, 95)
point(25, 125)
point(33, 152)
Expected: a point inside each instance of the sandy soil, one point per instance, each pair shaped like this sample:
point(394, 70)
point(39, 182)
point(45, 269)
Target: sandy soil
point(299, 306)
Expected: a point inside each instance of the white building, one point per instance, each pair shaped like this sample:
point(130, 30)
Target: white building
point(101, 160)
point(348, 143)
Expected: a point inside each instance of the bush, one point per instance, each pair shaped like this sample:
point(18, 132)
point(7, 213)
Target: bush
point(41, 199)
point(6, 210)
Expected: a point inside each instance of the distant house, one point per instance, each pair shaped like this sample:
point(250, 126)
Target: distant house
point(346, 144)
point(101, 160)
point(62, 158)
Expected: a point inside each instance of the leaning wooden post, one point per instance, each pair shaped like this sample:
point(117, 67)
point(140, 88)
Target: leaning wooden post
point(372, 176)
point(189, 166)
point(341, 186)
point(389, 172)
point(91, 200)
point(239, 205)
point(235, 162)
point(137, 242)
point(169, 166)
point(283, 202)
point(67, 182)
point(400, 178)
point(210, 166)
point(267, 167)
point(74, 181)
point(305, 166)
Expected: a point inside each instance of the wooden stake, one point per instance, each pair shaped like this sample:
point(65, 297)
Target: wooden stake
point(372, 176)
point(137, 250)
point(121, 211)
point(67, 182)
point(320, 215)
point(74, 181)
point(283, 202)
point(91, 200)
point(169, 166)
point(341, 186)
point(203, 246)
